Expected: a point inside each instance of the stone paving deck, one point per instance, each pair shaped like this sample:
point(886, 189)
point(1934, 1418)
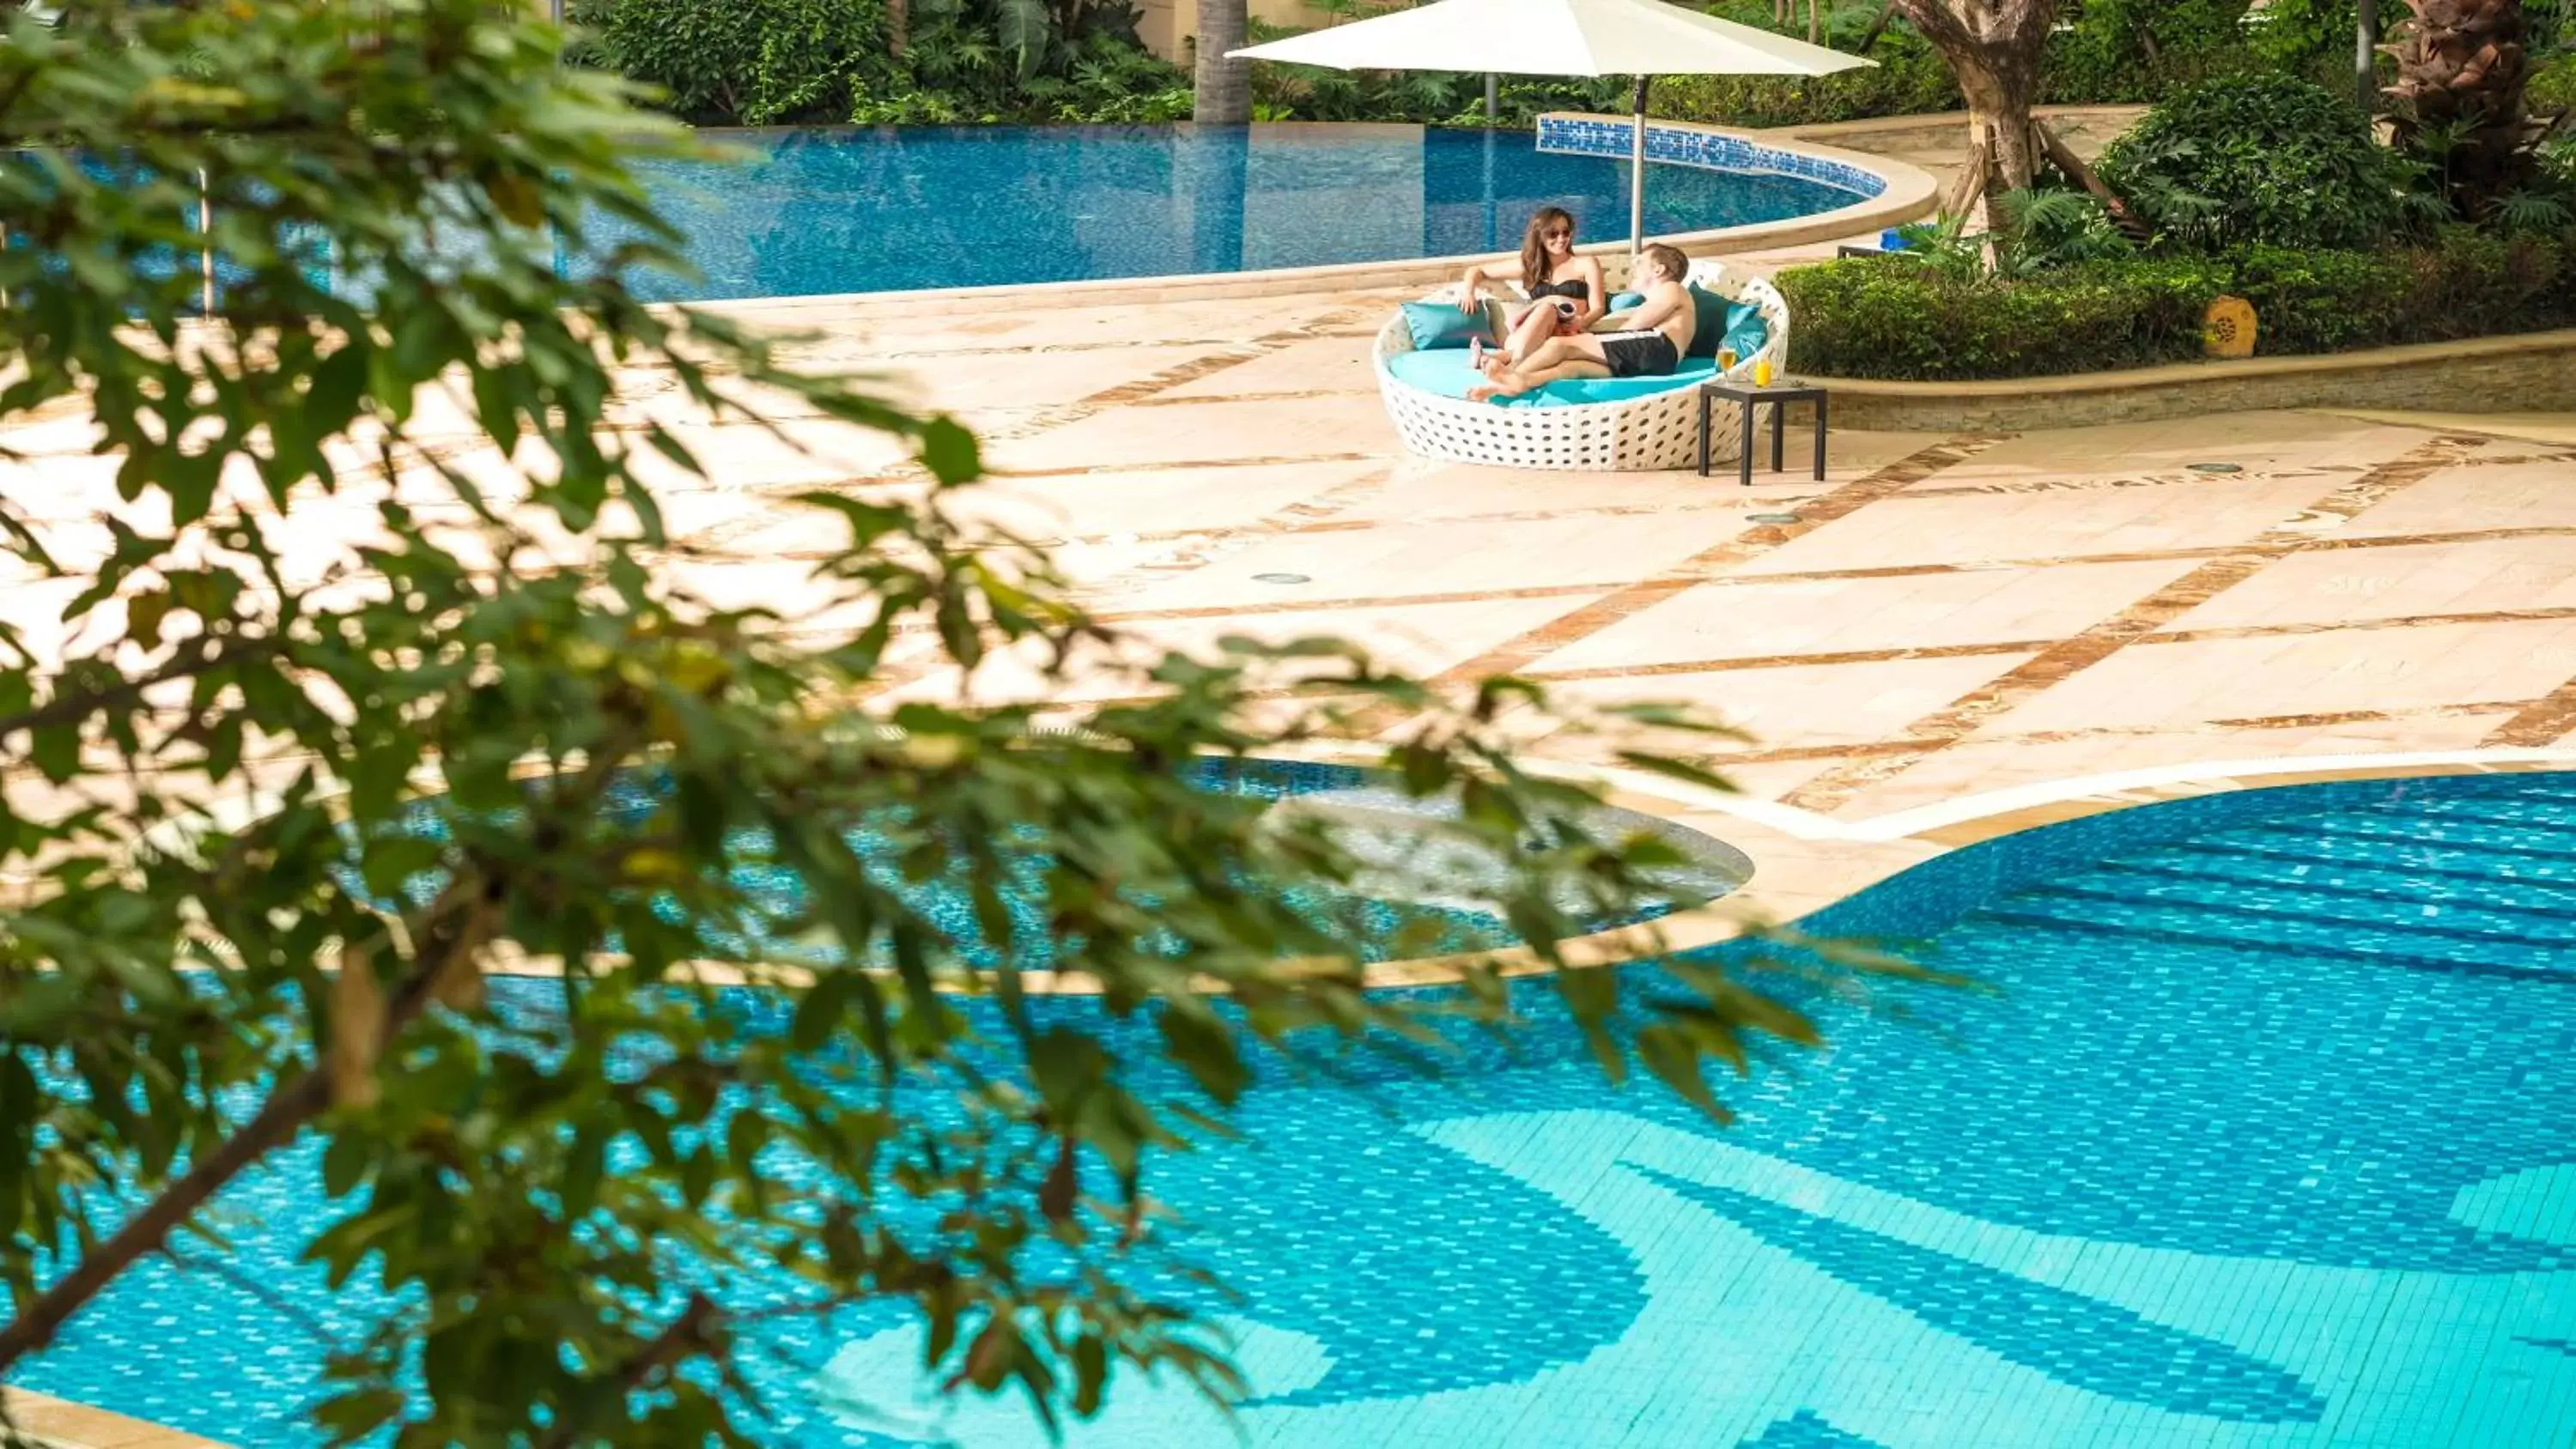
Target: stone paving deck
point(1947, 617)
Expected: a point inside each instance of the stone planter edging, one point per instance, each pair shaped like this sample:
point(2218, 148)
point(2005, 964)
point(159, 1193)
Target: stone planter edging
point(2523, 372)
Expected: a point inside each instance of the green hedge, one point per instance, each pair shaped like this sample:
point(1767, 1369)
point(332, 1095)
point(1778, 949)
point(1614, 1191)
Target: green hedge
point(1900, 319)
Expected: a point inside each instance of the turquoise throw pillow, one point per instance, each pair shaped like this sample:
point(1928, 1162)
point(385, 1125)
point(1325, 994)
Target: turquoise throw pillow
point(1746, 332)
point(1441, 324)
point(1627, 301)
point(1712, 321)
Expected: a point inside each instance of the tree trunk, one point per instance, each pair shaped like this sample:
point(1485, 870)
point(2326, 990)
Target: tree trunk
point(1815, 22)
point(1999, 115)
point(2461, 72)
point(1994, 48)
point(1224, 86)
point(898, 25)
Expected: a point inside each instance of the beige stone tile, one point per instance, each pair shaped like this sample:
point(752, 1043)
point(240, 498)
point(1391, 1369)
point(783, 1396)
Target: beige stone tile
point(1439, 558)
point(1417, 639)
point(1808, 705)
point(1420, 488)
point(1972, 528)
point(1315, 364)
point(2458, 500)
point(2258, 442)
point(978, 382)
point(1160, 502)
point(2325, 586)
point(1804, 616)
point(1979, 766)
point(1285, 428)
point(2168, 684)
point(2550, 429)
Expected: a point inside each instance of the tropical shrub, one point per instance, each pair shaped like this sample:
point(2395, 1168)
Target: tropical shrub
point(1889, 318)
point(1941, 317)
point(2258, 160)
point(752, 62)
point(2143, 50)
point(759, 62)
point(2311, 39)
point(2552, 90)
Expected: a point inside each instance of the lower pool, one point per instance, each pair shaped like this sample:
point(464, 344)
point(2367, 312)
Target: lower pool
point(809, 211)
point(2266, 1136)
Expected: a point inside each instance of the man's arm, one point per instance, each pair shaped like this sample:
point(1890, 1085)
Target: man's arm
point(1653, 312)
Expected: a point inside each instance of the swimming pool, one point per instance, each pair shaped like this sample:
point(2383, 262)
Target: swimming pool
point(813, 211)
point(2267, 1137)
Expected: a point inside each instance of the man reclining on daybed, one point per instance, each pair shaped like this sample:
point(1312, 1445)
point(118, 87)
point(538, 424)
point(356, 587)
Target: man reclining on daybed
point(1647, 340)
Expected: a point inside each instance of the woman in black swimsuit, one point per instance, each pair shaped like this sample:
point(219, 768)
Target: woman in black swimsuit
point(1564, 292)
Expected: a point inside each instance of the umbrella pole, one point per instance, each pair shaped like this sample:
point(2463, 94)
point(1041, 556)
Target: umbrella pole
point(1637, 178)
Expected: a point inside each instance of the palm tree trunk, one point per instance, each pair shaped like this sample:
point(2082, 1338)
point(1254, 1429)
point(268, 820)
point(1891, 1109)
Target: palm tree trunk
point(1815, 23)
point(1224, 96)
point(2461, 72)
point(898, 25)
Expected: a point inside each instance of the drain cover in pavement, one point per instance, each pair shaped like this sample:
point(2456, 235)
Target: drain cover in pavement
point(1773, 517)
point(1281, 579)
point(2218, 467)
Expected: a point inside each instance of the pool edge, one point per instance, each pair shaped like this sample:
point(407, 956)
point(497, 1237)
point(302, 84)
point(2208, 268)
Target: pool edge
point(1909, 194)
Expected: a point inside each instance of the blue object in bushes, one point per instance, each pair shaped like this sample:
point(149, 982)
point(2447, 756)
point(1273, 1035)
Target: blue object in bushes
point(1891, 240)
point(1442, 324)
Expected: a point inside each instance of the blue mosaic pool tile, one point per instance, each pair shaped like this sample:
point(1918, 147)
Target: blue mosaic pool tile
point(1707, 150)
point(1803, 1430)
point(2092, 1345)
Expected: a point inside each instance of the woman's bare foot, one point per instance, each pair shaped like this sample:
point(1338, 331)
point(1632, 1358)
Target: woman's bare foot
point(1476, 353)
point(1506, 383)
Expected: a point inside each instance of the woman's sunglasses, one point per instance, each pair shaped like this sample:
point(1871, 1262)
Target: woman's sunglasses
point(1556, 234)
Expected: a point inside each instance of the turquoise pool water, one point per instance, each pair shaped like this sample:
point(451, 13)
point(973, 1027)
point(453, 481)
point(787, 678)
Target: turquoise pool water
point(808, 211)
point(2266, 1137)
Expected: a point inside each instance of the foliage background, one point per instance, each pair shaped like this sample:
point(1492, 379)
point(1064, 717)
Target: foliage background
point(759, 62)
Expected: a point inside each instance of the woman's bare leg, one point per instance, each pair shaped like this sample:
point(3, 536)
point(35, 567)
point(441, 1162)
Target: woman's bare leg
point(1535, 326)
point(1558, 357)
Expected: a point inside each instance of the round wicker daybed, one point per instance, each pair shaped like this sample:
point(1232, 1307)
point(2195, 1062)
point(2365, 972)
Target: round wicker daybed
point(1648, 428)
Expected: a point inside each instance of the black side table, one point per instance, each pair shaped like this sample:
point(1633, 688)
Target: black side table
point(1779, 395)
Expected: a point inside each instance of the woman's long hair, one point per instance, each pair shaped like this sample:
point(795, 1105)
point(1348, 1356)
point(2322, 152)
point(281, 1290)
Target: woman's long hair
point(1534, 258)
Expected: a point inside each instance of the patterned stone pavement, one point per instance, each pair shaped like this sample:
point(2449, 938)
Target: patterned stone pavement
point(1941, 618)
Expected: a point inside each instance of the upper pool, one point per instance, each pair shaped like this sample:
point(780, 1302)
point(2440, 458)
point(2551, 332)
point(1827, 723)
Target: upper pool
point(817, 211)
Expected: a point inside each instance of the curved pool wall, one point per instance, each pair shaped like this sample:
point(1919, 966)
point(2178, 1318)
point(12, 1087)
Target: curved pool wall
point(1705, 148)
point(1881, 191)
point(1933, 896)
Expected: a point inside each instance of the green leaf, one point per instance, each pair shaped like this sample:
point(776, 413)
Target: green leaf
point(948, 450)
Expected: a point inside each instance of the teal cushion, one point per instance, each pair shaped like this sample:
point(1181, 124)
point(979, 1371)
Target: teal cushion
point(1715, 314)
point(1746, 331)
point(1446, 373)
point(1627, 301)
point(1443, 325)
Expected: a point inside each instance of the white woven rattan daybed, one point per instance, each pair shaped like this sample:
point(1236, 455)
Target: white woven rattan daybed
point(1641, 431)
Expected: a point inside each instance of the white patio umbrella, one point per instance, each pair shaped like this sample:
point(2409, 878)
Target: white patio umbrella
point(1642, 38)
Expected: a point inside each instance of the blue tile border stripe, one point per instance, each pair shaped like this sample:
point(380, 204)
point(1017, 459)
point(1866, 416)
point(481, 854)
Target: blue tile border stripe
point(1706, 150)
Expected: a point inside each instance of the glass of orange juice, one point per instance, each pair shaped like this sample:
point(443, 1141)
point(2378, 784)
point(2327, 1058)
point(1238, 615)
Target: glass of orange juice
point(1762, 372)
